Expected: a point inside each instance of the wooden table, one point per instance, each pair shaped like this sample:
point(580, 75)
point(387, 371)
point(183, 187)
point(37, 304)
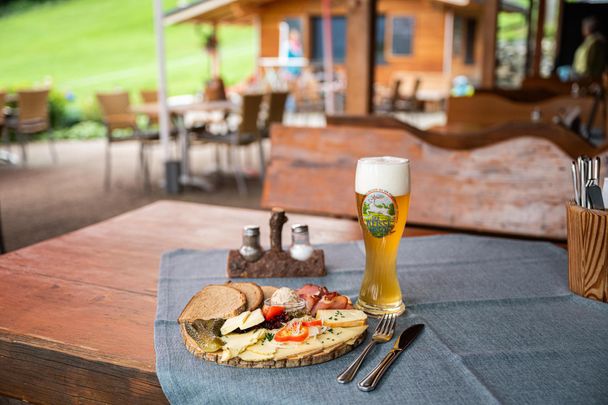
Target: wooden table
point(178, 111)
point(77, 311)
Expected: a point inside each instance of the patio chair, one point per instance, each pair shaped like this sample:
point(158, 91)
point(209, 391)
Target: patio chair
point(31, 117)
point(117, 115)
point(215, 90)
point(275, 111)
point(408, 103)
point(246, 134)
point(149, 97)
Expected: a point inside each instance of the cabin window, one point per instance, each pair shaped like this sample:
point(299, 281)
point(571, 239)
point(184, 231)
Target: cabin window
point(402, 36)
point(457, 42)
point(338, 38)
point(469, 53)
point(380, 39)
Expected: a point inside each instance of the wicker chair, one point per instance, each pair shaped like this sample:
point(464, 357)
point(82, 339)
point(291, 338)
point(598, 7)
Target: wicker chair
point(275, 111)
point(30, 118)
point(246, 134)
point(117, 115)
point(148, 97)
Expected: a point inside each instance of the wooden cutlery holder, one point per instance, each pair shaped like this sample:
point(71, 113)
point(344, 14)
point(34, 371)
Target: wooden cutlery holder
point(587, 252)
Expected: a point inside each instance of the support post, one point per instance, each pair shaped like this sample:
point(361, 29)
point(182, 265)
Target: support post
point(490, 17)
point(360, 57)
point(538, 38)
point(163, 111)
point(328, 57)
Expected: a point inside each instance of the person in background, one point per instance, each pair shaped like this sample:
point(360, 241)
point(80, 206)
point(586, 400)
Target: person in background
point(591, 56)
point(294, 50)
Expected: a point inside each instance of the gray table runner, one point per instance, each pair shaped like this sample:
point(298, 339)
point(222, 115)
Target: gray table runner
point(502, 327)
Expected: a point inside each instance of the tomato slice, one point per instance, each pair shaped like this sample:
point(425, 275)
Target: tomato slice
point(272, 312)
point(292, 332)
point(314, 322)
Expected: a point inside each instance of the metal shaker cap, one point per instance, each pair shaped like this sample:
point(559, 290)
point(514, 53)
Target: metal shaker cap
point(251, 230)
point(299, 228)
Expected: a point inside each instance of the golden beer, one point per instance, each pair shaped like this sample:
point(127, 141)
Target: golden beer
point(382, 197)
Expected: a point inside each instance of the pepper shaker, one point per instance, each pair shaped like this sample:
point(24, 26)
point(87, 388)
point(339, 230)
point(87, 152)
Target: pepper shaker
point(300, 248)
point(251, 249)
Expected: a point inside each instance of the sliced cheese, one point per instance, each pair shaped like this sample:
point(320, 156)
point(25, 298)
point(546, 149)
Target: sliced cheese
point(263, 347)
point(342, 317)
point(248, 355)
point(234, 323)
point(310, 346)
point(234, 344)
point(336, 335)
point(254, 318)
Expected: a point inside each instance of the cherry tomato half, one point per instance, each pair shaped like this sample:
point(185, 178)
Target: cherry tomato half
point(272, 312)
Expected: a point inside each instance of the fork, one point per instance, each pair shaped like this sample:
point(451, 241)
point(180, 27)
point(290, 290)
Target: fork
point(383, 333)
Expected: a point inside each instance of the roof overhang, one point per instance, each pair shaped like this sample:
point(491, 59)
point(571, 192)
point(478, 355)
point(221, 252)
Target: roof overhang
point(230, 11)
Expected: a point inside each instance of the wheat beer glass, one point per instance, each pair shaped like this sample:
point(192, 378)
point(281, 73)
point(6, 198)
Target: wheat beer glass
point(382, 187)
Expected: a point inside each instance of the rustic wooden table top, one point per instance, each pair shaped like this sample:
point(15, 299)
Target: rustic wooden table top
point(77, 311)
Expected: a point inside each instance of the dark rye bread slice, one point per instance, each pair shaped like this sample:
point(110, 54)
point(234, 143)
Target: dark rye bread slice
point(253, 292)
point(214, 302)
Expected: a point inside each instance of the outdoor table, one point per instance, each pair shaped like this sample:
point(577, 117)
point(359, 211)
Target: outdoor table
point(77, 311)
point(178, 111)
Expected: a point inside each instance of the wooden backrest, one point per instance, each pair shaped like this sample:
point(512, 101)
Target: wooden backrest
point(249, 113)
point(276, 107)
point(215, 90)
point(149, 96)
point(486, 183)
point(33, 105)
point(490, 109)
point(116, 110)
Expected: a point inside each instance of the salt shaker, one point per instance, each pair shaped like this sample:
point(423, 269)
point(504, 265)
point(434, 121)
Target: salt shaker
point(251, 249)
point(300, 248)
point(536, 115)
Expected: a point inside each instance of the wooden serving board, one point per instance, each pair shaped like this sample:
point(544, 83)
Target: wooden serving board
point(299, 361)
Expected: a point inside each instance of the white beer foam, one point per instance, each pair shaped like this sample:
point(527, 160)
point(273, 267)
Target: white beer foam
point(386, 173)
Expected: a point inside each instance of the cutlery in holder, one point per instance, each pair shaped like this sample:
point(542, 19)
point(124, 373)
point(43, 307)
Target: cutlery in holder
point(587, 251)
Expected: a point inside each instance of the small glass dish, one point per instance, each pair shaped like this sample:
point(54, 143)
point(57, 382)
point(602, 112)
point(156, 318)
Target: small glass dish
point(294, 309)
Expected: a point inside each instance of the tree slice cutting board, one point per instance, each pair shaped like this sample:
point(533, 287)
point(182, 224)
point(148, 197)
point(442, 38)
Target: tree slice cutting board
point(323, 356)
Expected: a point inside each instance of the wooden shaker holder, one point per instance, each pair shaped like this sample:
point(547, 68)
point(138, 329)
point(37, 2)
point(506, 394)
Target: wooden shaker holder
point(276, 262)
point(587, 252)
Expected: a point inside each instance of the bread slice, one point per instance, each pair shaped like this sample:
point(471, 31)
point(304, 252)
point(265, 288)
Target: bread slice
point(253, 292)
point(268, 291)
point(214, 302)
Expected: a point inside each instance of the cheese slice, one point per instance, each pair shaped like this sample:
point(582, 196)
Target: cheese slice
point(234, 323)
point(336, 336)
point(263, 347)
point(310, 346)
point(342, 317)
point(251, 356)
point(254, 318)
point(234, 344)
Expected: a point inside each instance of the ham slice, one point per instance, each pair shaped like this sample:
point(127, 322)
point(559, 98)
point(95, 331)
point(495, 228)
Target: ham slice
point(318, 297)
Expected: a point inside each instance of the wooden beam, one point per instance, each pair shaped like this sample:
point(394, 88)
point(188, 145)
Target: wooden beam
point(489, 23)
point(539, 33)
point(360, 41)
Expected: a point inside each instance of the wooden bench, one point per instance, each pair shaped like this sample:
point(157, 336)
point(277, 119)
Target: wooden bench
point(513, 180)
point(491, 109)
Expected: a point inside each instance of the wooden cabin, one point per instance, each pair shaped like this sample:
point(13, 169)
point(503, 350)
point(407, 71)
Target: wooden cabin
point(431, 39)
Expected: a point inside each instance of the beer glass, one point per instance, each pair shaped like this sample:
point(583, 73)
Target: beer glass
point(382, 187)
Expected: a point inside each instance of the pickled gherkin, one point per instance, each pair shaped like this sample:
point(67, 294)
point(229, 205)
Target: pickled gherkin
point(206, 333)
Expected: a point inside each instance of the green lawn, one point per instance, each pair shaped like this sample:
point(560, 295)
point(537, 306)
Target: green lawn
point(84, 46)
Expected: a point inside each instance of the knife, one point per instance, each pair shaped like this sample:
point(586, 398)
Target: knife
point(405, 339)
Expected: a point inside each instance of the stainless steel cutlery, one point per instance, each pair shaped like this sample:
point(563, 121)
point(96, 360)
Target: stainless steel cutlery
point(383, 333)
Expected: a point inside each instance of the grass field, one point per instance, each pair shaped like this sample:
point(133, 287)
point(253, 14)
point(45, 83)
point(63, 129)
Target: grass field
point(84, 46)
